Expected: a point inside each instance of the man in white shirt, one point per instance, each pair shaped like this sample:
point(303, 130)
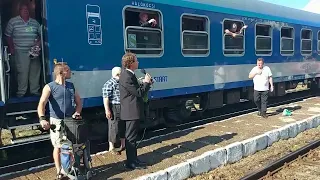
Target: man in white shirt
point(262, 77)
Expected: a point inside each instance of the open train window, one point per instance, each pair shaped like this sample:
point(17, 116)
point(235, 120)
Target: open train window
point(141, 37)
point(263, 40)
point(318, 42)
point(287, 41)
point(233, 45)
point(195, 35)
point(306, 42)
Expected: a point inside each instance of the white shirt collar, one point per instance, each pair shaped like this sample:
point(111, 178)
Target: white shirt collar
point(130, 71)
point(26, 22)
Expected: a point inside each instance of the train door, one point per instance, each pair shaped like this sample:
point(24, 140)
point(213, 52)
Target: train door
point(20, 111)
point(3, 91)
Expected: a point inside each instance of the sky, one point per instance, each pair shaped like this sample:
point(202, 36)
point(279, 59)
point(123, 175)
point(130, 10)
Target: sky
point(307, 5)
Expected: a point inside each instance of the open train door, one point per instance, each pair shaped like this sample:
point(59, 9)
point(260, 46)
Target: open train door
point(20, 113)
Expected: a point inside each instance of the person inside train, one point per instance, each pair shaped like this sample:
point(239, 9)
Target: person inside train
point(64, 102)
point(111, 101)
point(144, 22)
point(23, 34)
point(234, 30)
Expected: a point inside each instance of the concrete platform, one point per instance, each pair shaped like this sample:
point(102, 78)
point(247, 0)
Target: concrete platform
point(200, 149)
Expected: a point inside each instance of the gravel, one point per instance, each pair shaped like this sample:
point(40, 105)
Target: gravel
point(261, 158)
point(306, 168)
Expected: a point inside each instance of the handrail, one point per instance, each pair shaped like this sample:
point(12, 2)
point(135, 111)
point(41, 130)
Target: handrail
point(6, 58)
point(2, 77)
point(43, 56)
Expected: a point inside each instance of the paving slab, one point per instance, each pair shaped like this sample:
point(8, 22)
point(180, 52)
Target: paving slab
point(176, 149)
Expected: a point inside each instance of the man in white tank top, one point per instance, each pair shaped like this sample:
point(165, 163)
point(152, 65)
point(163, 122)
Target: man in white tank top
point(262, 77)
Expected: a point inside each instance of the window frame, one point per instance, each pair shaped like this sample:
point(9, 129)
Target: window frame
point(256, 36)
point(223, 39)
point(311, 36)
point(293, 38)
point(318, 41)
point(125, 48)
point(207, 28)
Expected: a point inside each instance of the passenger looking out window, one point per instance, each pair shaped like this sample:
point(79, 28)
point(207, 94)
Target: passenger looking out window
point(144, 21)
point(233, 30)
point(22, 34)
point(233, 39)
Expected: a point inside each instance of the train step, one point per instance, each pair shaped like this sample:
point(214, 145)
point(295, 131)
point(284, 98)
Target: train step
point(22, 121)
point(30, 139)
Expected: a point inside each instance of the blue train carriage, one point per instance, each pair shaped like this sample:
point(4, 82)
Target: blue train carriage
point(191, 58)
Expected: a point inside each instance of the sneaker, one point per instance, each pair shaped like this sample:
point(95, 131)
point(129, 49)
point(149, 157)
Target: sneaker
point(259, 113)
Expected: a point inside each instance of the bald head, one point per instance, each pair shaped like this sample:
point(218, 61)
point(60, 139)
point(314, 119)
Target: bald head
point(116, 72)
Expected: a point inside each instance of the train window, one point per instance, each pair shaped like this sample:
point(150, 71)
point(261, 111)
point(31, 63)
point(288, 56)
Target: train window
point(287, 41)
point(143, 31)
point(318, 42)
point(306, 42)
point(263, 40)
point(233, 45)
point(195, 35)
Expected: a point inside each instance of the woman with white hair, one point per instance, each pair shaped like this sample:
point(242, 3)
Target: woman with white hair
point(111, 101)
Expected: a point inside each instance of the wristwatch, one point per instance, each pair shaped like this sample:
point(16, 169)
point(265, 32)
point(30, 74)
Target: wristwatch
point(42, 118)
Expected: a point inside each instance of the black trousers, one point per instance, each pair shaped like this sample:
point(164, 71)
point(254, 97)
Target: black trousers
point(261, 100)
point(132, 128)
point(116, 126)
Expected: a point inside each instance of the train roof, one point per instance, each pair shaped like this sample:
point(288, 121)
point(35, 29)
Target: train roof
point(250, 8)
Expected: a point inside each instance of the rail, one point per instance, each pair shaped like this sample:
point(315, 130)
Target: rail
point(280, 163)
point(2, 76)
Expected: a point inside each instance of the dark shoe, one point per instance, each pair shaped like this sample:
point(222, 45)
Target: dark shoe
point(141, 162)
point(19, 95)
point(264, 115)
point(134, 166)
point(121, 149)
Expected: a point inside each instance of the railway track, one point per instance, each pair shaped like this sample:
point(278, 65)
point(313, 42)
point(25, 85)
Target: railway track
point(272, 169)
point(39, 153)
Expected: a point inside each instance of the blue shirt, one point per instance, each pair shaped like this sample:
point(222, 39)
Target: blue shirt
point(111, 91)
point(61, 100)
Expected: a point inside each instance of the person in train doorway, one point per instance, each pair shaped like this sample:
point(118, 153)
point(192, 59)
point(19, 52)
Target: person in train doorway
point(64, 102)
point(132, 106)
point(23, 34)
point(262, 77)
point(111, 101)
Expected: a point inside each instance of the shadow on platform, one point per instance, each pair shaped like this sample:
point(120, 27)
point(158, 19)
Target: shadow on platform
point(166, 151)
point(280, 110)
